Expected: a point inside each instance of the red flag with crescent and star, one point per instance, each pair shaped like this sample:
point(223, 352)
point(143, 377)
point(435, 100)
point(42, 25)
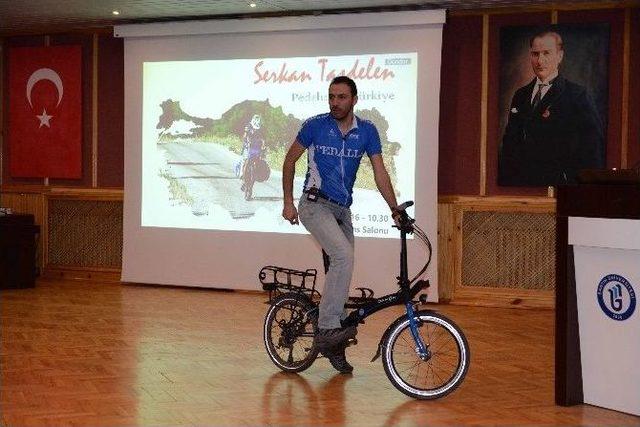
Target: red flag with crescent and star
point(45, 112)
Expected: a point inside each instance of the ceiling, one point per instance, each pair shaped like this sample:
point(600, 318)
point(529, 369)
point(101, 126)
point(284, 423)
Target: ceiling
point(55, 16)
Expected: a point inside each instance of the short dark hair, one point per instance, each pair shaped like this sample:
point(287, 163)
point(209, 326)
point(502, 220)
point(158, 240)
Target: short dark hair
point(544, 33)
point(347, 81)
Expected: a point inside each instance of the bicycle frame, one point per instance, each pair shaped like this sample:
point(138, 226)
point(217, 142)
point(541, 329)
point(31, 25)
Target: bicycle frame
point(427, 366)
point(404, 295)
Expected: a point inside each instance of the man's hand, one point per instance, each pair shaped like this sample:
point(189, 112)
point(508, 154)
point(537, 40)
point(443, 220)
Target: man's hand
point(290, 213)
point(397, 217)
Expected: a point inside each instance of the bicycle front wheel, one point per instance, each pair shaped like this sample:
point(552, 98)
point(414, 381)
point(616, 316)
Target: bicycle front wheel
point(289, 327)
point(439, 372)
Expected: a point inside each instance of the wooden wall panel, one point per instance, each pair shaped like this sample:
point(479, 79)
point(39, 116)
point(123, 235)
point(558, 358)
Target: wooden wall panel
point(25, 203)
point(86, 237)
point(615, 18)
point(110, 112)
point(85, 41)
point(449, 250)
point(85, 233)
point(461, 81)
point(508, 250)
point(633, 159)
point(508, 286)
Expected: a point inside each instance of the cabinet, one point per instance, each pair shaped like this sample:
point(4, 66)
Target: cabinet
point(18, 240)
point(588, 202)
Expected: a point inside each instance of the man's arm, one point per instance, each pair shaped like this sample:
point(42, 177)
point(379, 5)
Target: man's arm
point(383, 182)
point(289, 211)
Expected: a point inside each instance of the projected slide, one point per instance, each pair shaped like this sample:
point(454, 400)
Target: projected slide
point(215, 133)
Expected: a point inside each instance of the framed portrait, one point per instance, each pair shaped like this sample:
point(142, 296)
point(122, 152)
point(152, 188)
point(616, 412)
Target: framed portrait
point(553, 102)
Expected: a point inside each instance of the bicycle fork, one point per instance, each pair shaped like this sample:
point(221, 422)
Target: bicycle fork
point(421, 349)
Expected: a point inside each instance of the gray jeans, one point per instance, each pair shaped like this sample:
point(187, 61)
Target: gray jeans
point(321, 219)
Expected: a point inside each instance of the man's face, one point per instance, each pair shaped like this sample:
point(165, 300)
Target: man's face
point(341, 101)
point(545, 56)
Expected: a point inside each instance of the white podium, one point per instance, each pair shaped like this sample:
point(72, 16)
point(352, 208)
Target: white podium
point(607, 279)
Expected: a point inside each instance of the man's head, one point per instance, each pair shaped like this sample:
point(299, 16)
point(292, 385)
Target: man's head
point(343, 95)
point(546, 53)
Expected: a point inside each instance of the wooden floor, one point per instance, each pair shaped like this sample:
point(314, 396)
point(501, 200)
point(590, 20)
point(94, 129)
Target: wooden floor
point(89, 354)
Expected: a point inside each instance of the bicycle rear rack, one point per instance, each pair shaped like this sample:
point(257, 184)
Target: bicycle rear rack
point(278, 280)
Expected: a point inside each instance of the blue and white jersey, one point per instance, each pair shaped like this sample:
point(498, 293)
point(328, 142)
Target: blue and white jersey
point(333, 159)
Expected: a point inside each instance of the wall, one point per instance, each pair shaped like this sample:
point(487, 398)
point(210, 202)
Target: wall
point(81, 219)
point(102, 109)
point(479, 219)
point(469, 147)
point(474, 212)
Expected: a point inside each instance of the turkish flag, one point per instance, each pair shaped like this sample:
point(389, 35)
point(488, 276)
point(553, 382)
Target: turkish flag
point(45, 112)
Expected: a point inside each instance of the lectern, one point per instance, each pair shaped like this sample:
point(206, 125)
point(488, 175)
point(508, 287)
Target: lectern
point(597, 275)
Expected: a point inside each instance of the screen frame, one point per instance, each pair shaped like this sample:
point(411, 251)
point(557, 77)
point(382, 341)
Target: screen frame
point(218, 259)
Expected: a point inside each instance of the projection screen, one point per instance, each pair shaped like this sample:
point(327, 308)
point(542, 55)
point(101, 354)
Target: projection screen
point(198, 93)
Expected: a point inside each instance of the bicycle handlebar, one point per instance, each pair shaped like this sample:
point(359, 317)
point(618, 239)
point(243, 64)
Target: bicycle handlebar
point(405, 221)
point(402, 207)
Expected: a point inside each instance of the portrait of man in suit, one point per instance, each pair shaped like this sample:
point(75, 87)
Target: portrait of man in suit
point(554, 128)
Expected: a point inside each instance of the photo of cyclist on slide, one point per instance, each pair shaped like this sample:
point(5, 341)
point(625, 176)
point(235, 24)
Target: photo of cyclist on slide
point(252, 150)
point(335, 143)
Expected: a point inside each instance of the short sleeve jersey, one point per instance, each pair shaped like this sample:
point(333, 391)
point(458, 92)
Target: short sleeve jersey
point(333, 159)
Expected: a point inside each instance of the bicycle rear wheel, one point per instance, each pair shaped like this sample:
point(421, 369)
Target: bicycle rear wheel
point(437, 374)
point(289, 327)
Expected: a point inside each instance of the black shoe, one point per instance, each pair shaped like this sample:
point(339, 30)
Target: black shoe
point(338, 359)
point(327, 339)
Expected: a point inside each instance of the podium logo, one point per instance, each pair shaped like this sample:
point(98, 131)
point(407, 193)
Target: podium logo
point(616, 297)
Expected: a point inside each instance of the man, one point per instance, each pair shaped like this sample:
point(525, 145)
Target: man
point(554, 129)
point(252, 145)
point(336, 142)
